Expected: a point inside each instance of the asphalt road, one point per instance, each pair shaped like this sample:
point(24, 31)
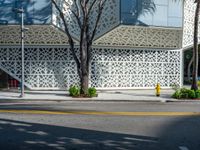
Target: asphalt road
point(29, 129)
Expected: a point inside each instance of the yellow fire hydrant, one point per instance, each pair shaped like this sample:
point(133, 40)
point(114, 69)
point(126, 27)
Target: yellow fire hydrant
point(157, 89)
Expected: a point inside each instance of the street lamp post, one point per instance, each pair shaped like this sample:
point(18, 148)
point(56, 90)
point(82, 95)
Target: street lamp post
point(21, 11)
point(22, 47)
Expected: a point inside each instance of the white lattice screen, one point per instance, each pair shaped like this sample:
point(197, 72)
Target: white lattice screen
point(138, 36)
point(140, 56)
point(54, 68)
point(36, 35)
point(110, 17)
point(188, 30)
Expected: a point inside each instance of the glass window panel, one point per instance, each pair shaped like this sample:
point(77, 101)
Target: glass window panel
point(129, 8)
point(28, 11)
point(36, 11)
point(152, 12)
point(146, 19)
point(6, 13)
point(160, 2)
point(127, 5)
point(175, 8)
point(160, 16)
point(174, 22)
point(42, 11)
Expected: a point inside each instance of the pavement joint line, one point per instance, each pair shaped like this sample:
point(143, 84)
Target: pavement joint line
point(43, 112)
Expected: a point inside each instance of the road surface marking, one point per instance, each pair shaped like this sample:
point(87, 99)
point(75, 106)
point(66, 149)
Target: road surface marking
point(183, 148)
point(101, 113)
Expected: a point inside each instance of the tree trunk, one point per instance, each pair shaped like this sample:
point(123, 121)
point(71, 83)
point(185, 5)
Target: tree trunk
point(84, 59)
point(84, 83)
point(194, 85)
point(84, 72)
point(189, 69)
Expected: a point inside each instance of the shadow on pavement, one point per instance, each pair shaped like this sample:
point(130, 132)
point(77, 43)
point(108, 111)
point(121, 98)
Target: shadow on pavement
point(184, 132)
point(17, 135)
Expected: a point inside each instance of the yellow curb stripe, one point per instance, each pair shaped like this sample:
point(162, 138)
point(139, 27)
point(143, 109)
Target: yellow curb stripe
point(101, 113)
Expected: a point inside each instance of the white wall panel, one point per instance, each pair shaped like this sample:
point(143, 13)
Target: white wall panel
point(54, 68)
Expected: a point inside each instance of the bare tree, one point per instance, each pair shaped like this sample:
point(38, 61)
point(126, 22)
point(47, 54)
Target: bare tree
point(82, 12)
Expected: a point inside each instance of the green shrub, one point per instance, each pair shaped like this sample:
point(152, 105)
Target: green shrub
point(176, 94)
point(74, 91)
point(184, 93)
point(197, 93)
point(191, 94)
point(198, 83)
point(92, 92)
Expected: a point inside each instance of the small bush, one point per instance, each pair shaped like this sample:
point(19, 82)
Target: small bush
point(198, 83)
point(74, 91)
point(176, 94)
point(184, 93)
point(197, 93)
point(92, 92)
point(191, 94)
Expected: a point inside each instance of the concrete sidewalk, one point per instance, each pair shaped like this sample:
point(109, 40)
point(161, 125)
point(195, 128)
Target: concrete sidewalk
point(107, 95)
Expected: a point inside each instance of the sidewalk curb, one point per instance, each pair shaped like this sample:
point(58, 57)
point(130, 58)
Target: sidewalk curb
point(80, 100)
point(98, 100)
point(183, 101)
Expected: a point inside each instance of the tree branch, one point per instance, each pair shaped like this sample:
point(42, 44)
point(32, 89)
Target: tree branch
point(76, 14)
point(70, 40)
point(100, 8)
point(91, 6)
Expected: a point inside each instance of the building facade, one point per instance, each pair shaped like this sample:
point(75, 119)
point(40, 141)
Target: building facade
point(138, 43)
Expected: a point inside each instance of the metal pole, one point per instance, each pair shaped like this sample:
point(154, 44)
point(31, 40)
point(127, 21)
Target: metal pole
point(22, 53)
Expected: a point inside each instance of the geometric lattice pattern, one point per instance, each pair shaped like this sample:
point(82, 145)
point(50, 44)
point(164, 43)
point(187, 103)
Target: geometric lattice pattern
point(109, 19)
point(188, 30)
point(133, 68)
point(54, 68)
point(36, 35)
point(189, 12)
point(135, 36)
point(124, 57)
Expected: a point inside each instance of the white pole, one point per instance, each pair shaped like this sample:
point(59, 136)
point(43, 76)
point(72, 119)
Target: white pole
point(22, 53)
